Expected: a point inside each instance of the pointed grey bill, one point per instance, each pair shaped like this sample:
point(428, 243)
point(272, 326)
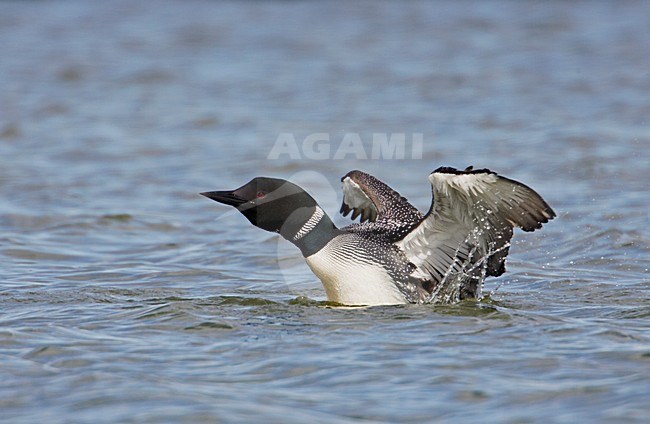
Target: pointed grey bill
point(225, 197)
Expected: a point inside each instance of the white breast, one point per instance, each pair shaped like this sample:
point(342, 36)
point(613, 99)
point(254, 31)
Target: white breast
point(352, 281)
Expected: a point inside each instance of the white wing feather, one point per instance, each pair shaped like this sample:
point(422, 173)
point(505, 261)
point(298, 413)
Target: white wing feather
point(466, 233)
point(357, 201)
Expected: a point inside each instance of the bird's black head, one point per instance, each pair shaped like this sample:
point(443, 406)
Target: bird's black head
point(271, 204)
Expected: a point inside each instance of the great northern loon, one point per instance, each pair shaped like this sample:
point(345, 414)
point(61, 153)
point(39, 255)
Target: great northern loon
point(395, 254)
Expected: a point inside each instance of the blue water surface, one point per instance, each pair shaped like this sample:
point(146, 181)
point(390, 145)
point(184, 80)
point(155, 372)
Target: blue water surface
point(127, 297)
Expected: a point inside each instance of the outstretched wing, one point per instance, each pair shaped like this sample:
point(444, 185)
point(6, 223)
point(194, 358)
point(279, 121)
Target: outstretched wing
point(466, 234)
point(366, 196)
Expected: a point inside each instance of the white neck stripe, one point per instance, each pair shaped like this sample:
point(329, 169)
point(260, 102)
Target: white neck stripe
point(310, 224)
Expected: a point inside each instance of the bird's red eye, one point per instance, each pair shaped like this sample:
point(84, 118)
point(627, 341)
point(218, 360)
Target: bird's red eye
point(260, 194)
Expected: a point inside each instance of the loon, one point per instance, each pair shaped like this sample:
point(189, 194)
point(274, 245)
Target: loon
point(395, 254)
